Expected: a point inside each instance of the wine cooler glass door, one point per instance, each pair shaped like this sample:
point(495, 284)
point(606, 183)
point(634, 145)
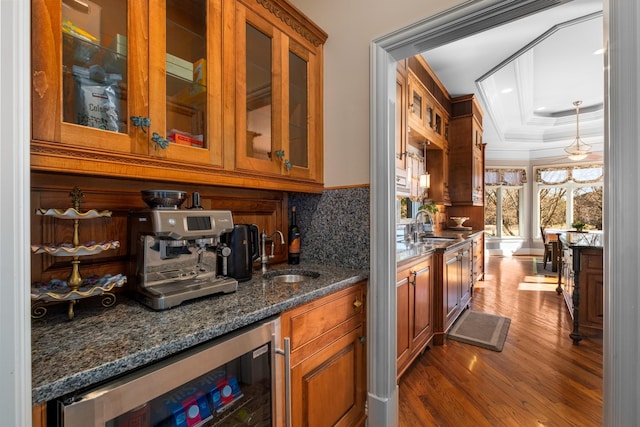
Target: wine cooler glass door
point(225, 383)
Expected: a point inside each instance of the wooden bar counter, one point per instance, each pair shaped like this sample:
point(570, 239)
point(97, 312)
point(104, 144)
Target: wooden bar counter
point(580, 281)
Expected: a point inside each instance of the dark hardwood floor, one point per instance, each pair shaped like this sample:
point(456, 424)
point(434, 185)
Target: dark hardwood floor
point(539, 379)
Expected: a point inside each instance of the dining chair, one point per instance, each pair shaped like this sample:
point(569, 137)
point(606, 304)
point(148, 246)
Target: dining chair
point(548, 249)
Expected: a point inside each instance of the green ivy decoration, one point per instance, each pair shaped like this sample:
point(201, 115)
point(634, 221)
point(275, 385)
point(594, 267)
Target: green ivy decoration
point(430, 207)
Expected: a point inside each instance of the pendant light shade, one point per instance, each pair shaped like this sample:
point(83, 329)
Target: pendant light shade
point(579, 150)
point(425, 178)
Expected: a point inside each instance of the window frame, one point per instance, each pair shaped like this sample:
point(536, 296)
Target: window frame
point(521, 174)
point(569, 185)
point(499, 197)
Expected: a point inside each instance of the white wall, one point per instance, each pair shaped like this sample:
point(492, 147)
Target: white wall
point(351, 26)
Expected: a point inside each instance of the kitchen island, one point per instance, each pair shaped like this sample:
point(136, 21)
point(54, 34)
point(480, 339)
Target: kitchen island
point(581, 283)
point(103, 343)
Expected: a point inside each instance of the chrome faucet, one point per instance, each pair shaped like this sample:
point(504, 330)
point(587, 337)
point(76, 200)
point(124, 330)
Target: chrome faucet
point(264, 258)
point(417, 228)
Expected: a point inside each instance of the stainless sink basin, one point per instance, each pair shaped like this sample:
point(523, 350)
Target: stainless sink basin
point(436, 240)
point(291, 276)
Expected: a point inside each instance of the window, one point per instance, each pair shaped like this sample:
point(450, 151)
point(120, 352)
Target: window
point(568, 194)
point(504, 201)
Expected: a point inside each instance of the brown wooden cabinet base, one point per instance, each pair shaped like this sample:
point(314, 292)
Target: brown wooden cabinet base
point(452, 288)
point(328, 359)
point(581, 284)
point(414, 290)
point(39, 415)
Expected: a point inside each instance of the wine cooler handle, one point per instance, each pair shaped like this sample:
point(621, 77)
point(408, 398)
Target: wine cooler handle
point(287, 379)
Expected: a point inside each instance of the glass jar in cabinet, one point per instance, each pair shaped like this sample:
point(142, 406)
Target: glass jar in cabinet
point(278, 116)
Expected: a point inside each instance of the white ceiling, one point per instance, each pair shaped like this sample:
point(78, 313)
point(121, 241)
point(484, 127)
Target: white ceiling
point(547, 61)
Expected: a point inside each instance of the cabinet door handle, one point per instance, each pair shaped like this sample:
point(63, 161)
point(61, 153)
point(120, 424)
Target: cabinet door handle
point(286, 352)
point(159, 141)
point(413, 281)
point(357, 303)
point(141, 122)
point(287, 164)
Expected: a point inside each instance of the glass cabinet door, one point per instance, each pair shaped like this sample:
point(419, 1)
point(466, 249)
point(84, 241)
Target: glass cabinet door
point(298, 111)
point(418, 109)
point(186, 79)
point(303, 111)
point(94, 64)
point(259, 94)
point(277, 119)
point(82, 90)
point(185, 102)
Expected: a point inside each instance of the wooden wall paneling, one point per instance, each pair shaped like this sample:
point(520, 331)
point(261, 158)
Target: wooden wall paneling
point(475, 214)
point(266, 209)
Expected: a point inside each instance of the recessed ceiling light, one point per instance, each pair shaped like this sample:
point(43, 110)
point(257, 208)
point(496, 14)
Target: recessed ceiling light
point(599, 51)
point(540, 108)
point(507, 90)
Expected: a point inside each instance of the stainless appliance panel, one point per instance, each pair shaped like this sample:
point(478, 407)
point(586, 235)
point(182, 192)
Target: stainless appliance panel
point(102, 405)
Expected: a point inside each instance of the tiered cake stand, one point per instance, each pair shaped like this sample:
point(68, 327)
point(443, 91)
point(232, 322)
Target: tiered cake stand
point(75, 287)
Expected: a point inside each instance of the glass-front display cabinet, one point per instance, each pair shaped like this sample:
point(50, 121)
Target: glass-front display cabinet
point(128, 76)
point(189, 115)
point(148, 89)
point(278, 108)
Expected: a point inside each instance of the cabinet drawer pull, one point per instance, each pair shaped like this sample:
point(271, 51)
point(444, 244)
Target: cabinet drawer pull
point(357, 304)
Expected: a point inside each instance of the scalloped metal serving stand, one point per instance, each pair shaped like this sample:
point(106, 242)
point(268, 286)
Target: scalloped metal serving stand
point(74, 290)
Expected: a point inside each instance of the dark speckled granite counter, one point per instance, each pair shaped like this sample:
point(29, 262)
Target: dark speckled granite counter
point(102, 343)
point(441, 241)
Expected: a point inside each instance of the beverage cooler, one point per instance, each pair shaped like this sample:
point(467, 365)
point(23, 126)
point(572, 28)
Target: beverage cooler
point(232, 381)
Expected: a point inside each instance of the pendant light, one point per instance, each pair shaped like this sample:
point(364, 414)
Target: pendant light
point(579, 150)
point(425, 178)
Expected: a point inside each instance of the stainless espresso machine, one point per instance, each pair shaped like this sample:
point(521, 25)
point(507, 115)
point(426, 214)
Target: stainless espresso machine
point(176, 254)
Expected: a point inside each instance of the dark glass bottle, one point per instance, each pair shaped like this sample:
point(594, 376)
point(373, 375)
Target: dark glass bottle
point(294, 239)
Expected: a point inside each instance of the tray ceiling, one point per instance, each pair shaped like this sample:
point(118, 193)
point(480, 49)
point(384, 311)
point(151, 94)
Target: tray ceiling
point(527, 75)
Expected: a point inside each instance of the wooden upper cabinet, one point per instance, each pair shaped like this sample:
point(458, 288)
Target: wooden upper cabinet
point(420, 114)
point(84, 84)
point(147, 89)
point(118, 75)
point(466, 152)
point(278, 115)
point(427, 119)
point(401, 119)
point(185, 81)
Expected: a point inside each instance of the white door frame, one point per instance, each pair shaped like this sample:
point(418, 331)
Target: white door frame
point(15, 324)
point(622, 180)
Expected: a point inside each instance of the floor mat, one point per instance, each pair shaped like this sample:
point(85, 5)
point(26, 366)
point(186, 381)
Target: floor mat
point(481, 329)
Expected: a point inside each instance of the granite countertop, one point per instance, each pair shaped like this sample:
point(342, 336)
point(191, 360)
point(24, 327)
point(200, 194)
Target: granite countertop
point(102, 343)
point(441, 241)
